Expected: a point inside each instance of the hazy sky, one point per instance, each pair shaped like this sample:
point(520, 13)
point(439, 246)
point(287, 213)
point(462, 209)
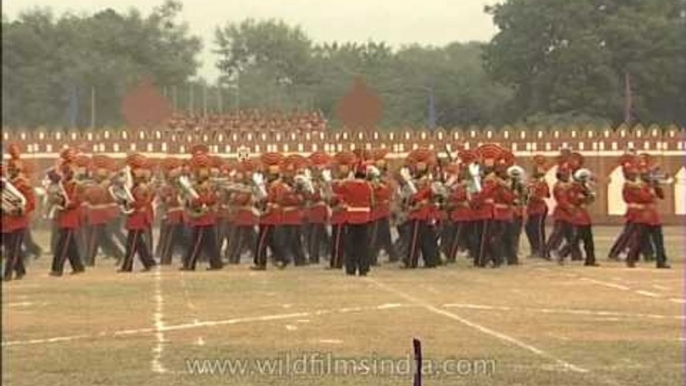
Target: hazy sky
point(396, 22)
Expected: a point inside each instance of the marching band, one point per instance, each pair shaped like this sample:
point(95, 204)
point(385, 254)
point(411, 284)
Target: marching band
point(344, 207)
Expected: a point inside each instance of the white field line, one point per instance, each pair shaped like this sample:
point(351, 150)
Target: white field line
point(498, 335)
point(158, 316)
point(570, 311)
point(201, 324)
point(606, 284)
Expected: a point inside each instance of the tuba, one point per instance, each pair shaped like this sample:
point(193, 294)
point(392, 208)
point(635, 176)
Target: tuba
point(585, 178)
point(120, 190)
point(12, 199)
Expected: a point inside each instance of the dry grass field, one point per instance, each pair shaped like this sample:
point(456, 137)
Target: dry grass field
point(533, 324)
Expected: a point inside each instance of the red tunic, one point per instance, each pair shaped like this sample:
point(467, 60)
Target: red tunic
point(174, 210)
point(358, 196)
point(564, 209)
point(139, 219)
point(646, 205)
point(100, 204)
point(273, 215)
point(207, 198)
point(577, 198)
point(318, 211)
point(538, 192)
point(242, 209)
point(422, 207)
point(70, 217)
point(459, 201)
point(292, 206)
point(383, 191)
point(11, 223)
point(338, 211)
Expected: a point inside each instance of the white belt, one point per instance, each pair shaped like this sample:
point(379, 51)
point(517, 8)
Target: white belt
point(358, 209)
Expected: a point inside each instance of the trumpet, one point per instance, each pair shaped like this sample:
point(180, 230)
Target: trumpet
point(120, 190)
point(657, 177)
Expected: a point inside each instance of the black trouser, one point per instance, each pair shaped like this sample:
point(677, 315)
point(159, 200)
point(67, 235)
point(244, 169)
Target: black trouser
point(316, 236)
point(651, 234)
point(30, 245)
point(243, 238)
point(174, 238)
point(515, 229)
point(562, 231)
point(227, 233)
point(581, 233)
point(382, 240)
point(492, 247)
point(100, 238)
point(203, 241)
point(136, 243)
point(114, 227)
point(14, 257)
point(266, 238)
point(66, 248)
point(338, 237)
point(535, 233)
point(82, 234)
point(460, 239)
point(422, 240)
point(402, 243)
point(357, 240)
point(476, 236)
point(290, 237)
point(624, 241)
point(161, 239)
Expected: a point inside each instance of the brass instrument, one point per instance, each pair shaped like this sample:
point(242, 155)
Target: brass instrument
point(55, 194)
point(517, 176)
point(303, 182)
point(12, 199)
point(585, 177)
point(120, 190)
point(408, 187)
point(657, 177)
point(475, 174)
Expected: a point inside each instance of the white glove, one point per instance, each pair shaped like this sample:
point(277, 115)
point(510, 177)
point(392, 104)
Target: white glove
point(405, 174)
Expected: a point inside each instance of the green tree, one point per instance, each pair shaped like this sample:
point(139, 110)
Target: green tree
point(570, 58)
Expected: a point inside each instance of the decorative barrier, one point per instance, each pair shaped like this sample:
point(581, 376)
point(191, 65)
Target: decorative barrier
point(600, 146)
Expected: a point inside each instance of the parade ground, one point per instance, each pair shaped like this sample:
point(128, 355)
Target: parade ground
point(535, 324)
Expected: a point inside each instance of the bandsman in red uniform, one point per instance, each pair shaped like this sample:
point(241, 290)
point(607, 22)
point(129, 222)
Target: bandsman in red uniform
point(343, 163)
point(512, 175)
point(68, 217)
point(138, 219)
point(537, 208)
point(270, 196)
point(16, 221)
point(358, 196)
point(494, 203)
point(83, 165)
point(202, 213)
point(293, 205)
point(563, 228)
point(459, 207)
point(173, 232)
point(423, 237)
point(384, 191)
point(226, 228)
point(317, 213)
point(581, 194)
point(102, 209)
point(244, 213)
point(643, 201)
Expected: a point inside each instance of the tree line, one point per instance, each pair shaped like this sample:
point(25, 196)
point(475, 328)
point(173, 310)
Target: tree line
point(551, 62)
